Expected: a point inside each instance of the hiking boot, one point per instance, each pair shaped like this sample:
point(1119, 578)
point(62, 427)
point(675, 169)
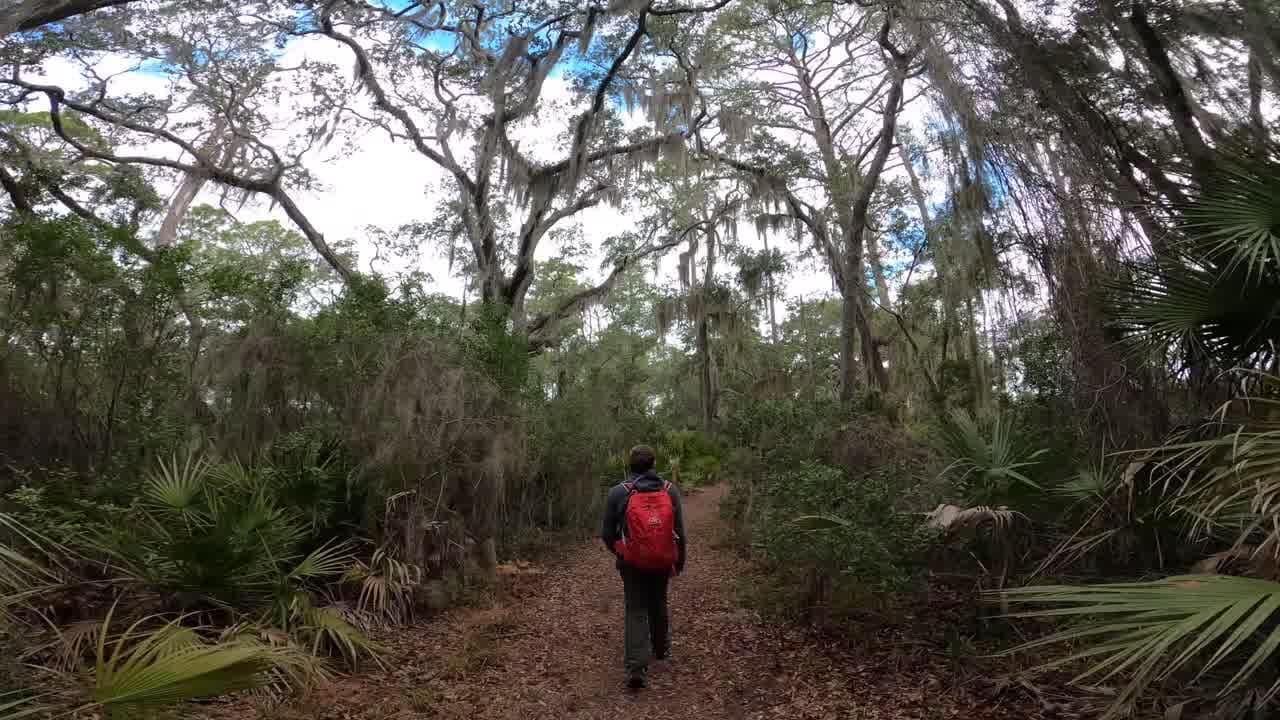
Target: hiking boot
point(637, 681)
point(662, 650)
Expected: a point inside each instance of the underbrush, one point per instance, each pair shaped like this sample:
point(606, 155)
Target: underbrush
point(835, 545)
point(831, 506)
point(1179, 537)
point(691, 458)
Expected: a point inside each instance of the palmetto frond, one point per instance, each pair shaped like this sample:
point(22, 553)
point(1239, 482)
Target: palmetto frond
point(28, 566)
point(178, 486)
point(1152, 630)
point(1223, 479)
point(327, 561)
point(14, 706)
point(329, 629)
point(1221, 291)
point(1087, 485)
point(386, 585)
point(953, 518)
point(987, 457)
point(1228, 317)
point(143, 668)
point(818, 523)
point(1236, 221)
point(72, 643)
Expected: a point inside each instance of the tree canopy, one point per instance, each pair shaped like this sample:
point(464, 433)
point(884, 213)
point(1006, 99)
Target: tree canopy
point(349, 299)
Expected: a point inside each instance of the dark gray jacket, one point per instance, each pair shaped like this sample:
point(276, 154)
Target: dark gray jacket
point(615, 510)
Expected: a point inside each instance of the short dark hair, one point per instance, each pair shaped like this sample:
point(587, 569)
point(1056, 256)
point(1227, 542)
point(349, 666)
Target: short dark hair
point(641, 459)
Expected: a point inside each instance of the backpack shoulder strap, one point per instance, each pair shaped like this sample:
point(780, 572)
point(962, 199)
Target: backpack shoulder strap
point(631, 488)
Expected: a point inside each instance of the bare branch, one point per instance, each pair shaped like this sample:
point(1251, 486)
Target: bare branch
point(269, 186)
point(542, 327)
point(364, 70)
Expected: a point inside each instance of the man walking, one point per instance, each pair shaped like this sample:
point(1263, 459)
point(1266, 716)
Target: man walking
point(644, 529)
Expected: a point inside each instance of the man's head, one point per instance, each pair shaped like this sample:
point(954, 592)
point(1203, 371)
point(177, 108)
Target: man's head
point(641, 459)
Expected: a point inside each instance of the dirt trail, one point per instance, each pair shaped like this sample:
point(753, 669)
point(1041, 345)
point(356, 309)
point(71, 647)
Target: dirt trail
point(552, 649)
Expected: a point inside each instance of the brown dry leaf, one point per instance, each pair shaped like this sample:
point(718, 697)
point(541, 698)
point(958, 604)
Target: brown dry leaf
point(550, 648)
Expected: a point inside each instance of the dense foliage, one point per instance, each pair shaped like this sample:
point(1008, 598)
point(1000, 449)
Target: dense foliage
point(1038, 372)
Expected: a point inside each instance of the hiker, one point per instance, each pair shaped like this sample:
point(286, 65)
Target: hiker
point(644, 529)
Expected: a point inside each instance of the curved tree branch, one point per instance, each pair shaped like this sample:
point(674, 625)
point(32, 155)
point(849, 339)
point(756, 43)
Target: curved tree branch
point(269, 186)
point(542, 328)
point(26, 15)
point(364, 71)
point(677, 10)
point(1174, 95)
point(21, 201)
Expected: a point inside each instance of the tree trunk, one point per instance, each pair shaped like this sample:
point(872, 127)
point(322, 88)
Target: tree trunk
point(851, 299)
point(997, 357)
point(810, 365)
point(977, 360)
point(877, 376)
point(462, 303)
point(1174, 95)
point(562, 382)
point(707, 375)
point(193, 182)
point(706, 379)
point(1263, 39)
point(897, 364)
point(877, 275)
point(1256, 121)
point(769, 288)
point(851, 193)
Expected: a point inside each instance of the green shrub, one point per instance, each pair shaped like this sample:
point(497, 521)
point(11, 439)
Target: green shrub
point(871, 546)
point(691, 458)
point(211, 535)
point(65, 518)
point(784, 430)
point(312, 473)
point(990, 462)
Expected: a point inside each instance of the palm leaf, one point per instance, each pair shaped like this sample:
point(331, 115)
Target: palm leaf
point(72, 643)
point(386, 585)
point(1089, 484)
point(1152, 630)
point(1237, 218)
point(986, 452)
point(951, 518)
point(329, 560)
point(1222, 313)
point(30, 570)
point(329, 629)
point(14, 708)
point(1220, 287)
point(1228, 485)
point(1168, 304)
point(177, 486)
point(173, 664)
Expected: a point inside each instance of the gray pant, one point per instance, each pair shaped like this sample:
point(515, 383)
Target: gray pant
point(648, 629)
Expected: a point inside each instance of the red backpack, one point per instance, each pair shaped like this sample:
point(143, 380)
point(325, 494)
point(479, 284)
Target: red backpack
point(649, 530)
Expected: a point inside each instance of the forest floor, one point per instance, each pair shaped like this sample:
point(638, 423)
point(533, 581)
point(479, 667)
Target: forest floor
point(550, 646)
